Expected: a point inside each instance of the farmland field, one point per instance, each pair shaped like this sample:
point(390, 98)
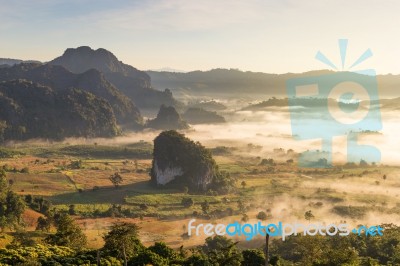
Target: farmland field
point(352, 193)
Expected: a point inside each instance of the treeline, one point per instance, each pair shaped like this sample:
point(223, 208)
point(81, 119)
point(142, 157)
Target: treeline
point(122, 246)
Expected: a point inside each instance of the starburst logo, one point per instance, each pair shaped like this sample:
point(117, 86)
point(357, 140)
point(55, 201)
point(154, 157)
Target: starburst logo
point(342, 104)
point(343, 53)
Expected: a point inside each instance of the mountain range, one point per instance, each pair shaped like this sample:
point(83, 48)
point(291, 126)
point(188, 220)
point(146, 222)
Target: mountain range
point(132, 82)
point(237, 83)
point(90, 93)
point(102, 94)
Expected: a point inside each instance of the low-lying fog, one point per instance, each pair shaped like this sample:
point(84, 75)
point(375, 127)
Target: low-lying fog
point(271, 129)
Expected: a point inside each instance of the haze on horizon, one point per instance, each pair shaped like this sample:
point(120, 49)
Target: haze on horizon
point(266, 36)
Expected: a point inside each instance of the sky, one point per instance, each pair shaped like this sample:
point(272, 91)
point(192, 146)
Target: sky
point(273, 36)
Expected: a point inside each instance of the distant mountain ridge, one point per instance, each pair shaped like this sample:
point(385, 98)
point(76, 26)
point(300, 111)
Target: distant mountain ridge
point(251, 84)
point(11, 62)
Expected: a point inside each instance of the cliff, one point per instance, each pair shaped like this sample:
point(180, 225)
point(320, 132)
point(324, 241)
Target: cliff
point(179, 161)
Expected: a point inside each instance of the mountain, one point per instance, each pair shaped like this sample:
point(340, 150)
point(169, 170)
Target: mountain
point(235, 83)
point(201, 116)
point(208, 105)
point(167, 118)
point(180, 161)
point(309, 104)
point(11, 62)
point(30, 110)
point(93, 81)
point(167, 69)
point(132, 82)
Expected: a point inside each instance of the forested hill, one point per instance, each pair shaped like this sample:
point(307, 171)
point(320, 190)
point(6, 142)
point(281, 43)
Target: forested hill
point(30, 110)
point(83, 93)
point(93, 81)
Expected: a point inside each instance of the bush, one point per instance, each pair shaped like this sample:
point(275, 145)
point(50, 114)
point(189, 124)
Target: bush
point(261, 216)
point(187, 202)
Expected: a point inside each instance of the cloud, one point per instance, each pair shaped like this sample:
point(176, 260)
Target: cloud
point(183, 15)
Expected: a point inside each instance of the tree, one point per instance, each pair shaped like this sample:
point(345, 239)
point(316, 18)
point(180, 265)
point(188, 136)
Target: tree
point(205, 207)
point(122, 240)
point(161, 249)
point(148, 257)
point(241, 206)
point(253, 257)
point(43, 224)
point(187, 202)
point(21, 239)
point(116, 179)
point(12, 206)
point(308, 215)
point(243, 184)
point(71, 210)
point(262, 216)
point(68, 233)
point(222, 251)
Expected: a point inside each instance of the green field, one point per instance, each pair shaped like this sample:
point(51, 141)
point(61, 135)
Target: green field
point(281, 190)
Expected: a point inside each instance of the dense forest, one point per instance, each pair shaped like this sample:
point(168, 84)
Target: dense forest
point(29, 110)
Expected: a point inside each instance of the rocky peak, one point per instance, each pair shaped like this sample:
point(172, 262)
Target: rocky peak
point(167, 118)
point(179, 160)
point(83, 58)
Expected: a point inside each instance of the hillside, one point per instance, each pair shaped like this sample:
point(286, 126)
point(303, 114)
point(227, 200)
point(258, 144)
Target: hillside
point(201, 116)
point(167, 118)
point(132, 82)
point(29, 110)
point(93, 81)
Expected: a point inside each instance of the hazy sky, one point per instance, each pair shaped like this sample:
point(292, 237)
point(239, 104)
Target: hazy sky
point(276, 36)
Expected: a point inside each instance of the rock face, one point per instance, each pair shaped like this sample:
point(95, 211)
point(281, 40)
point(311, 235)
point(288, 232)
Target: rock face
point(181, 162)
point(166, 175)
point(167, 118)
point(83, 58)
point(132, 82)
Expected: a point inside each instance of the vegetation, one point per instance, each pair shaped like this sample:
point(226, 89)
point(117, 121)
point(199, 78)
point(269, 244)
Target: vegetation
point(167, 119)
point(201, 116)
point(199, 170)
point(36, 111)
point(116, 179)
point(70, 201)
point(12, 206)
point(123, 247)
